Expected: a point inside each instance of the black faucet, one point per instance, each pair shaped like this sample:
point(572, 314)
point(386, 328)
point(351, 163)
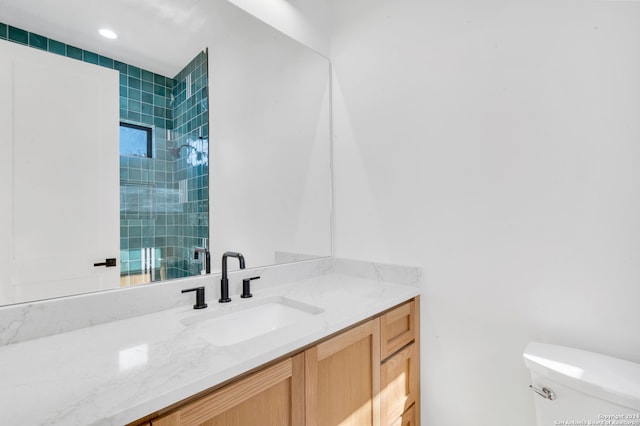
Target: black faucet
point(224, 282)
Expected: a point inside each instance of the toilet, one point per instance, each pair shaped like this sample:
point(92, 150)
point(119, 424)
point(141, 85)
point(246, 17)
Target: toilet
point(576, 387)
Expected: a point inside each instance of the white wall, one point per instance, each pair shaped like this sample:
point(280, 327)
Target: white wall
point(497, 145)
point(270, 172)
point(307, 21)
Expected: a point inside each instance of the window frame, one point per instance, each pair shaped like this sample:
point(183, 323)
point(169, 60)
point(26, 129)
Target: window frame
point(148, 130)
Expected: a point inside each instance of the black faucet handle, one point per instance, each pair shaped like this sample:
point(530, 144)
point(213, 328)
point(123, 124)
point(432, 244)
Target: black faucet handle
point(199, 297)
point(246, 287)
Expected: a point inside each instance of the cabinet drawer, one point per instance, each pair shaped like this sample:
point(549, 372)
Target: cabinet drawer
point(397, 328)
point(399, 381)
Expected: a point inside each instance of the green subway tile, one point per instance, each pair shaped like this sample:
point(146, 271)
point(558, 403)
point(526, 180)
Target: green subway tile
point(57, 47)
point(168, 124)
point(134, 106)
point(159, 112)
point(120, 66)
point(106, 62)
point(159, 100)
point(159, 122)
point(134, 83)
point(147, 86)
point(3, 31)
point(133, 116)
point(90, 57)
point(19, 36)
point(38, 41)
point(123, 103)
point(133, 71)
point(74, 52)
point(147, 76)
point(123, 91)
point(147, 109)
point(134, 174)
point(124, 80)
point(135, 232)
point(134, 94)
point(147, 97)
point(147, 119)
point(159, 79)
point(159, 90)
point(123, 114)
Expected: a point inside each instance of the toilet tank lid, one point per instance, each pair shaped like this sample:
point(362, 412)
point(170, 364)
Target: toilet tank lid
point(602, 376)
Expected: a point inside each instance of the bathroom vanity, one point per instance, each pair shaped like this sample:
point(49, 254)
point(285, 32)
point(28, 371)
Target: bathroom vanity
point(348, 347)
point(367, 374)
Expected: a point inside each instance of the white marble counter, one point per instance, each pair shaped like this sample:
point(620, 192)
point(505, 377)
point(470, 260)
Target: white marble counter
point(118, 372)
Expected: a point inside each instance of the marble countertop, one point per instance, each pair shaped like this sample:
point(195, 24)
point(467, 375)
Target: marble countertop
point(118, 372)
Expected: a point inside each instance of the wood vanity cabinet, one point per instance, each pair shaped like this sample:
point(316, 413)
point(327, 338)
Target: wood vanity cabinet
point(400, 368)
point(273, 396)
point(342, 378)
point(366, 375)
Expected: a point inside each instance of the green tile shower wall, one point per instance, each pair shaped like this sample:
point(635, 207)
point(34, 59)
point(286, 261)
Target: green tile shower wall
point(191, 127)
point(166, 104)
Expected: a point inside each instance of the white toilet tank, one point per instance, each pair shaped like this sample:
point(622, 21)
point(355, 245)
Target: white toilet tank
point(582, 388)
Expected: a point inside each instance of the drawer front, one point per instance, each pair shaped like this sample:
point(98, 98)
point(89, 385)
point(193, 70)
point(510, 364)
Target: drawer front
point(397, 328)
point(399, 381)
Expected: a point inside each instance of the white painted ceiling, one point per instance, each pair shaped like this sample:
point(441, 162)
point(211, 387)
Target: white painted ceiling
point(158, 35)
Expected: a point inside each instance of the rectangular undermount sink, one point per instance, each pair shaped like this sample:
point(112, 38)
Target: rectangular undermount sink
point(246, 320)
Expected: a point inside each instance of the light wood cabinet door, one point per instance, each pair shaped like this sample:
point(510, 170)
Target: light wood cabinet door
point(399, 383)
point(270, 397)
point(342, 379)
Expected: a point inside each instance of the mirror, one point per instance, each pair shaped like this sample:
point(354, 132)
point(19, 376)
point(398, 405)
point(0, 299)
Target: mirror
point(263, 136)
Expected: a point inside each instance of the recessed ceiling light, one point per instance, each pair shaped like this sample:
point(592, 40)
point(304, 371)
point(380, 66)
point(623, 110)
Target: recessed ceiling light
point(108, 34)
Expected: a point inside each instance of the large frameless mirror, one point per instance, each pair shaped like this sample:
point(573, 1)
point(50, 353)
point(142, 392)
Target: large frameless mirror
point(216, 138)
